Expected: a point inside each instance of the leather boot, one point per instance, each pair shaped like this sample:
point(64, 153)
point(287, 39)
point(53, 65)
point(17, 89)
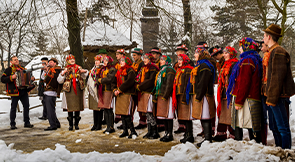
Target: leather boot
point(94, 121)
point(238, 134)
point(111, 122)
point(124, 124)
point(130, 125)
point(99, 119)
point(155, 133)
point(148, 134)
point(189, 133)
point(104, 122)
point(256, 136)
point(70, 119)
point(169, 136)
point(166, 130)
point(207, 126)
point(77, 119)
point(106, 118)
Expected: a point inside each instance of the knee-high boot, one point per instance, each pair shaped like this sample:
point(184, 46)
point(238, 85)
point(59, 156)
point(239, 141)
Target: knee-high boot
point(189, 132)
point(166, 130)
point(77, 119)
point(124, 124)
point(70, 119)
point(207, 126)
point(106, 118)
point(169, 136)
point(148, 134)
point(99, 119)
point(111, 120)
point(130, 125)
point(238, 134)
point(94, 120)
point(155, 133)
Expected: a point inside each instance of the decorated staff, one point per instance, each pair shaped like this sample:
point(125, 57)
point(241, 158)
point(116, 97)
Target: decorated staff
point(245, 85)
point(124, 102)
point(105, 92)
point(72, 79)
point(179, 96)
point(163, 96)
point(92, 86)
point(146, 83)
point(224, 112)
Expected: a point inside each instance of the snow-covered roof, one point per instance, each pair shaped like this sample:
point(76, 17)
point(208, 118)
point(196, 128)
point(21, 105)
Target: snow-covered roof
point(100, 34)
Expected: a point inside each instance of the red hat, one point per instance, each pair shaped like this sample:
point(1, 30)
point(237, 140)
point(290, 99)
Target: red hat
point(70, 57)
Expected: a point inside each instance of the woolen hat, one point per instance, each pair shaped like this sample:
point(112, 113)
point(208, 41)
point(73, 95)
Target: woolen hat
point(102, 51)
point(274, 30)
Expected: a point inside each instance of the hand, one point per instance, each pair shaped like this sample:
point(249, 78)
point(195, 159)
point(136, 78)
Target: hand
point(117, 93)
point(33, 78)
point(45, 68)
point(13, 76)
point(238, 107)
point(83, 71)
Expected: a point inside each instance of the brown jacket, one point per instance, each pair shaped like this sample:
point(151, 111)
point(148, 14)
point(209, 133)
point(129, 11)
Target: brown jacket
point(149, 80)
point(180, 90)
point(128, 85)
point(279, 76)
point(166, 88)
point(51, 81)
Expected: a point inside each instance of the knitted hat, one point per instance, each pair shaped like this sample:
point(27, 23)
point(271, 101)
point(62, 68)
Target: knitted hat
point(54, 60)
point(110, 59)
point(215, 50)
point(70, 57)
point(102, 51)
point(98, 58)
point(231, 50)
point(138, 51)
point(157, 50)
point(121, 51)
point(166, 58)
point(248, 44)
point(185, 59)
point(149, 56)
point(202, 44)
point(182, 47)
point(126, 60)
point(274, 30)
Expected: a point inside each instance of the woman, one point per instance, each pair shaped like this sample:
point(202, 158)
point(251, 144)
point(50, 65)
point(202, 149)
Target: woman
point(146, 83)
point(106, 86)
point(179, 97)
point(224, 112)
point(245, 86)
point(163, 96)
point(93, 98)
point(202, 89)
point(125, 88)
point(72, 79)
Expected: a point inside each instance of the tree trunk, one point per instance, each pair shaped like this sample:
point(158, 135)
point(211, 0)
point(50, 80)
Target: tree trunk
point(187, 21)
point(74, 31)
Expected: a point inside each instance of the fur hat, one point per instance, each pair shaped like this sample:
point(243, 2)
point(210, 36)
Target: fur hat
point(138, 51)
point(274, 30)
point(202, 44)
point(157, 50)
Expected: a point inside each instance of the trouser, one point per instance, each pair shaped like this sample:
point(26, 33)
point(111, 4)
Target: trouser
point(279, 123)
point(51, 113)
point(44, 108)
point(24, 98)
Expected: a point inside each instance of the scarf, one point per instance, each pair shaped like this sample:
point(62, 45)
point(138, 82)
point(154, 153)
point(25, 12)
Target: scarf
point(15, 68)
point(177, 82)
point(73, 75)
point(194, 73)
point(160, 78)
point(254, 56)
point(102, 73)
point(265, 61)
point(93, 74)
point(224, 71)
point(121, 73)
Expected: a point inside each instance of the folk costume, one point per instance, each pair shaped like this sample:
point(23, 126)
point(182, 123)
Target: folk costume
point(52, 90)
point(124, 101)
point(201, 90)
point(277, 88)
point(92, 86)
point(145, 85)
point(106, 86)
point(73, 87)
point(137, 65)
point(163, 97)
point(179, 97)
point(244, 86)
point(17, 93)
point(41, 90)
point(223, 111)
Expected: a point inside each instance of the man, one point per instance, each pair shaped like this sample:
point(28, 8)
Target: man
point(44, 61)
point(17, 93)
point(51, 91)
point(202, 45)
point(156, 52)
point(181, 49)
point(137, 64)
point(216, 53)
point(278, 86)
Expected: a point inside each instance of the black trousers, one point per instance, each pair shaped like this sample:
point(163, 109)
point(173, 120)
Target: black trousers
point(24, 98)
point(44, 108)
point(51, 114)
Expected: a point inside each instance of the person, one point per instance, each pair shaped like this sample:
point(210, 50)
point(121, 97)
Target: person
point(244, 85)
point(157, 53)
point(92, 87)
point(179, 96)
point(107, 78)
point(72, 78)
point(52, 90)
point(44, 61)
point(145, 84)
point(278, 86)
point(102, 52)
point(163, 96)
point(137, 64)
point(216, 53)
point(17, 93)
point(224, 112)
point(124, 90)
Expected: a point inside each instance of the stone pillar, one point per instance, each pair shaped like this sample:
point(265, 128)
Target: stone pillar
point(149, 26)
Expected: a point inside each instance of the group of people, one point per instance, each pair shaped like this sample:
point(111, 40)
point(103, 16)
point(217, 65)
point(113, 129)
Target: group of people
point(161, 91)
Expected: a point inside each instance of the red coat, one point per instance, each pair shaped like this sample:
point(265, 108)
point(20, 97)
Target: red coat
point(248, 83)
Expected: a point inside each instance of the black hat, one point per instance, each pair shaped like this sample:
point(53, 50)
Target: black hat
point(44, 58)
point(182, 47)
point(215, 50)
point(202, 44)
point(156, 50)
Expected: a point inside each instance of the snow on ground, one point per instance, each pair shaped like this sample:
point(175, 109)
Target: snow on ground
point(218, 151)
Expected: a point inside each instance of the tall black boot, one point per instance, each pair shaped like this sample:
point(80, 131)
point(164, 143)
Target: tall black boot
point(130, 125)
point(155, 133)
point(207, 126)
point(103, 118)
point(70, 119)
point(238, 134)
point(255, 135)
point(169, 136)
point(77, 119)
point(166, 130)
point(189, 132)
point(148, 134)
point(111, 122)
point(106, 118)
point(99, 119)
point(94, 120)
point(125, 129)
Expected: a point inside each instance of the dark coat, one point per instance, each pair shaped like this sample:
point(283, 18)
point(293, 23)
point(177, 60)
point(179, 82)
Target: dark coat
point(128, 85)
point(51, 81)
point(149, 80)
point(41, 86)
point(166, 88)
point(109, 80)
point(137, 65)
point(180, 89)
